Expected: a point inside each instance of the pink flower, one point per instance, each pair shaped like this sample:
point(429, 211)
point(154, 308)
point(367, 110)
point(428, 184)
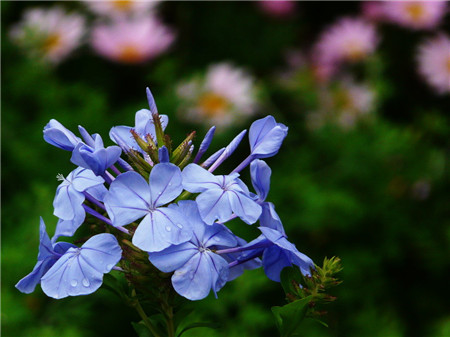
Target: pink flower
point(277, 8)
point(225, 96)
point(119, 8)
point(132, 40)
point(415, 14)
point(373, 10)
point(344, 104)
point(349, 39)
point(49, 34)
point(434, 63)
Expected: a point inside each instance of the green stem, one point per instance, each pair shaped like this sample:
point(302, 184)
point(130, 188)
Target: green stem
point(170, 326)
point(143, 315)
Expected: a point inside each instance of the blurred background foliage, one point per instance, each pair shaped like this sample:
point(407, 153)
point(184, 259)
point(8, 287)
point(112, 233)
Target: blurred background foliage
point(375, 195)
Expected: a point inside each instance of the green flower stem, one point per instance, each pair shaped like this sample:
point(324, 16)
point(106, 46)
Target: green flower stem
point(143, 315)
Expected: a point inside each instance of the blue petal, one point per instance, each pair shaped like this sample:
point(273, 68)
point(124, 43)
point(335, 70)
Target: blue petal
point(128, 198)
point(218, 235)
point(165, 183)
point(45, 245)
point(160, 229)
point(122, 135)
point(274, 260)
point(244, 207)
point(214, 204)
point(86, 136)
point(163, 154)
point(205, 144)
point(201, 273)
point(173, 257)
point(260, 173)
point(67, 202)
point(144, 123)
point(57, 135)
point(69, 227)
point(83, 179)
point(80, 270)
point(266, 137)
point(98, 192)
point(269, 218)
point(197, 179)
point(28, 283)
point(211, 159)
point(151, 101)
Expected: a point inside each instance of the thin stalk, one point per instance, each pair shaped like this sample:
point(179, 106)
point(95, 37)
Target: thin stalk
point(144, 316)
point(104, 219)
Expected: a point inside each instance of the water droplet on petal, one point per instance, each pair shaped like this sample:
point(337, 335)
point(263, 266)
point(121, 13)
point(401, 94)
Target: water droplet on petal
point(216, 238)
point(179, 225)
point(74, 283)
point(109, 266)
point(159, 193)
point(86, 282)
point(168, 228)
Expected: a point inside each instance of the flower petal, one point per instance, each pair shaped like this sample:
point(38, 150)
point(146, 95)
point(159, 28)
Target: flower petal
point(173, 257)
point(260, 173)
point(128, 198)
point(266, 137)
point(165, 183)
point(197, 179)
point(214, 204)
point(244, 207)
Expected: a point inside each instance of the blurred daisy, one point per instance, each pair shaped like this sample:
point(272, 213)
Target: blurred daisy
point(48, 34)
point(278, 8)
point(415, 14)
point(117, 8)
point(344, 105)
point(132, 40)
point(349, 39)
point(373, 10)
point(225, 96)
point(434, 63)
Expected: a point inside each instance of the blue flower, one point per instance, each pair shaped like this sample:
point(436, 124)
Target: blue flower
point(266, 137)
point(278, 253)
point(260, 174)
point(96, 158)
point(70, 196)
point(57, 135)
point(144, 126)
point(130, 197)
point(197, 268)
point(220, 196)
point(80, 270)
point(47, 257)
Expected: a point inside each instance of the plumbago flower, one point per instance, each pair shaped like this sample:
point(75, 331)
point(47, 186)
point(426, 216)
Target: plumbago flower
point(152, 212)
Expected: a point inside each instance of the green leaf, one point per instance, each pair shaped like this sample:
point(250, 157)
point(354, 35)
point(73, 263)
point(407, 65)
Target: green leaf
point(288, 276)
point(289, 317)
point(198, 325)
point(141, 329)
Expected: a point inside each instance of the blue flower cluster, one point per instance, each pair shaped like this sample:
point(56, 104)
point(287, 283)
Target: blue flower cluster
point(170, 206)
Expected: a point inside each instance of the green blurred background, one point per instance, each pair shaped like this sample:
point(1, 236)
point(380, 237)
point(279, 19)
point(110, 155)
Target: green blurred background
point(375, 195)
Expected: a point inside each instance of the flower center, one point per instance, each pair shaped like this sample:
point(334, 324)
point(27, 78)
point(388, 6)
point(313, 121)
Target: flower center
point(354, 51)
point(122, 5)
point(212, 104)
point(448, 64)
point(51, 43)
point(130, 54)
point(415, 11)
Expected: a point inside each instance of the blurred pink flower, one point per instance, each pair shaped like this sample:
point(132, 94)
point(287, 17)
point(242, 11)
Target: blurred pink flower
point(223, 97)
point(49, 34)
point(278, 8)
point(434, 62)
point(415, 14)
point(132, 40)
point(373, 10)
point(118, 8)
point(344, 104)
point(349, 39)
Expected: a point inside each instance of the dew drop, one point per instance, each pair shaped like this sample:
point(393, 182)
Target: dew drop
point(74, 283)
point(179, 225)
point(216, 238)
point(168, 228)
point(86, 282)
point(109, 266)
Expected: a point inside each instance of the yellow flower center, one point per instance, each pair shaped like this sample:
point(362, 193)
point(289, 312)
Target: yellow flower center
point(212, 104)
point(354, 52)
point(130, 54)
point(448, 64)
point(415, 11)
point(122, 5)
point(51, 42)
point(343, 100)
